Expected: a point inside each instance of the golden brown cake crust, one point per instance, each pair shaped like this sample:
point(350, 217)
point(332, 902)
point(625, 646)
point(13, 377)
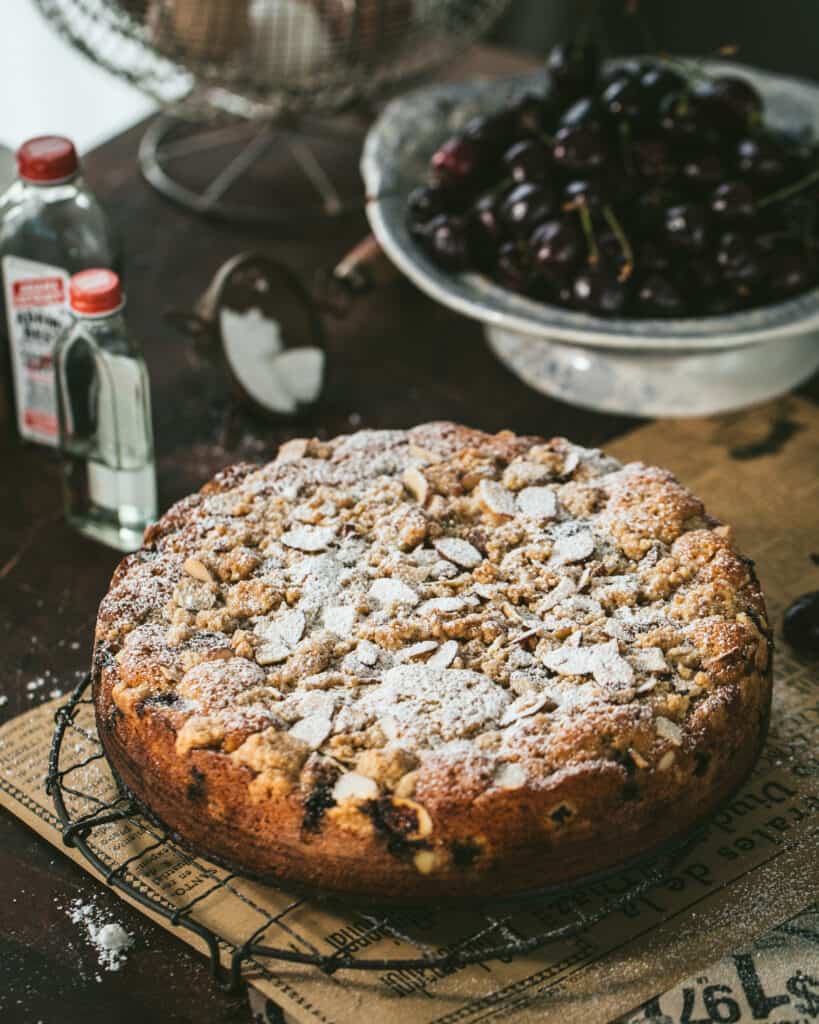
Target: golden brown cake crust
point(433, 663)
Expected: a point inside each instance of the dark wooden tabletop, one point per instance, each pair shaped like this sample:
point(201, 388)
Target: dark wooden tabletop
point(396, 360)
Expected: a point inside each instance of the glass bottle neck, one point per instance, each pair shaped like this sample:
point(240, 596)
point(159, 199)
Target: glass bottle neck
point(108, 332)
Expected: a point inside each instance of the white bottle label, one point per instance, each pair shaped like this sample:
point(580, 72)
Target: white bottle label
point(37, 312)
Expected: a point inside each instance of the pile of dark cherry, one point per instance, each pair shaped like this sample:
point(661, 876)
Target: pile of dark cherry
point(650, 190)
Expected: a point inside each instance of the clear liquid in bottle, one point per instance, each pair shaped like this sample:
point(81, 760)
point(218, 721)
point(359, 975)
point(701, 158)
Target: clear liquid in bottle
point(106, 438)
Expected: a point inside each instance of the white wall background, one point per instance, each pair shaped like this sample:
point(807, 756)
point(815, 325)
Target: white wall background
point(48, 86)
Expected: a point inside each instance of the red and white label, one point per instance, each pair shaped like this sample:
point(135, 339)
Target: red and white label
point(37, 312)
point(38, 291)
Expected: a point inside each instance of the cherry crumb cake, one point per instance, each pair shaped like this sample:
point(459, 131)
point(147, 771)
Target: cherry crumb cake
point(433, 664)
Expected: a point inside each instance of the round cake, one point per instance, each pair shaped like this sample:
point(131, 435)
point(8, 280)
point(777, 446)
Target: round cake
point(433, 663)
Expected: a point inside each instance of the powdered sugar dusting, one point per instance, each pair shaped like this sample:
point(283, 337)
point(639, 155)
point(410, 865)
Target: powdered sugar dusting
point(110, 940)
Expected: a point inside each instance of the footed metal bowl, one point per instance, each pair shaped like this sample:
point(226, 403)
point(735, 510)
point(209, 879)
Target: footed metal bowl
point(672, 367)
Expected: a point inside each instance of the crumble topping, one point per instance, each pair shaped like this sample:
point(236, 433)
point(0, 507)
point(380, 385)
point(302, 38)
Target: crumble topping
point(393, 599)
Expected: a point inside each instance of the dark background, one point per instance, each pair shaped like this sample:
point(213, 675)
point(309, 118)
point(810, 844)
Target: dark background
point(782, 35)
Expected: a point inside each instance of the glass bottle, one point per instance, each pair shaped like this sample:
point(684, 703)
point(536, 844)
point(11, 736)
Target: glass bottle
point(104, 406)
point(51, 226)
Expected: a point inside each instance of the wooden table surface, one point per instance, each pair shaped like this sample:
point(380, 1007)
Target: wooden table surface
point(396, 360)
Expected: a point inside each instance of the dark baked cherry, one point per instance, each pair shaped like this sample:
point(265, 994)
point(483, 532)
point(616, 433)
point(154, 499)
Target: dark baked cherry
point(459, 161)
point(573, 68)
point(556, 244)
point(800, 623)
point(722, 301)
point(583, 190)
point(597, 290)
point(762, 157)
point(681, 118)
point(703, 170)
point(624, 99)
point(732, 202)
point(586, 110)
point(610, 72)
point(652, 258)
point(788, 272)
point(737, 258)
point(686, 227)
point(798, 214)
point(653, 159)
point(658, 296)
point(485, 230)
point(732, 103)
point(446, 242)
point(650, 208)
point(497, 131)
point(702, 277)
point(579, 148)
point(526, 161)
point(532, 116)
point(423, 204)
point(526, 206)
point(514, 267)
point(656, 82)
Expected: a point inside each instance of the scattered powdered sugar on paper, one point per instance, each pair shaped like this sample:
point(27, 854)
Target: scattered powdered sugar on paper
point(110, 940)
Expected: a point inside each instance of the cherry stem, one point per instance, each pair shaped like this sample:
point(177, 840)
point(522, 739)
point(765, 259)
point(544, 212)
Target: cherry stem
point(587, 26)
point(625, 244)
point(625, 145)
point(588, 230)
point(789, 190)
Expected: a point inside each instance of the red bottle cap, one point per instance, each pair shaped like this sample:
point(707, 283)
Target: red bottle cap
point(47, 158)
point(95, 292)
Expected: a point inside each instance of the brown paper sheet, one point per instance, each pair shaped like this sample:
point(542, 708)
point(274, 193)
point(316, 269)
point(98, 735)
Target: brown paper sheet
point(756, 867)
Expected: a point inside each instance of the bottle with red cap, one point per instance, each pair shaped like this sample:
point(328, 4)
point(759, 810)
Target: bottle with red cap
point(51, 226)
point(104, 415)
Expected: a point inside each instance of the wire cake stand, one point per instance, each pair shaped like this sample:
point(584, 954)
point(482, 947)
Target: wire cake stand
point(92, 806)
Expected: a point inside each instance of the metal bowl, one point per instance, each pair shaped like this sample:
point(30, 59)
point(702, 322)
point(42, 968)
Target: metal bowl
point(644, 367)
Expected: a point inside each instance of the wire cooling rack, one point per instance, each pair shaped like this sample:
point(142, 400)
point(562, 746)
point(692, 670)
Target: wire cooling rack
point(490, 931)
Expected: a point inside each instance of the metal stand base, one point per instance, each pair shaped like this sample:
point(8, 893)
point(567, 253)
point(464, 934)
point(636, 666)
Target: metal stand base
point(280, 172)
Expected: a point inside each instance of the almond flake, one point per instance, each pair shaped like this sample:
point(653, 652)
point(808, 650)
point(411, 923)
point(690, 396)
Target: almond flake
point(339, 619)
point(572, 547)
point(459, 551)
point(537, 502)
point(416, 650)
point(557, 594)
point(199, 571)
point(649, 659)
point(510, 776)
point(495, 498)
point(389, 591)
point(669, 730)
point(609, 667)
point(445, 655)
point(666, 761)
point(570, 463)
point(416, 483)
point(286, 628)
point(444, 605)
point(272, 653)
point(290, 451)
point(367, 653)
point(313, 730)
point(308, 538)
point(570, 661)
point(352, 786)
point(528, 704)
point(522, 473)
